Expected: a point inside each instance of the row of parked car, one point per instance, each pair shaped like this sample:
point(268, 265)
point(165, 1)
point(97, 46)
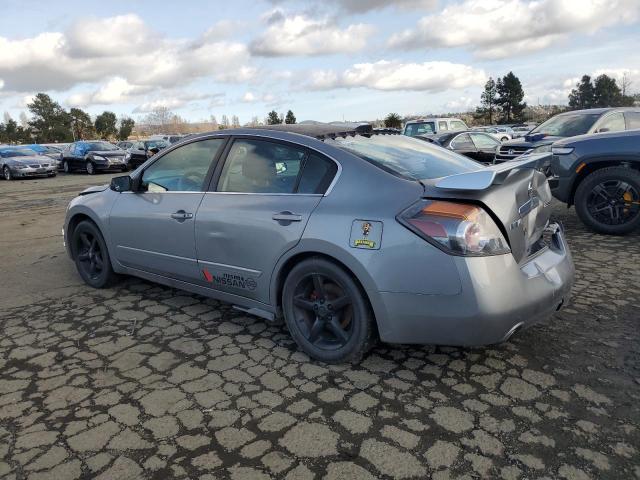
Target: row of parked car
point(90, 156)
point(593, 161)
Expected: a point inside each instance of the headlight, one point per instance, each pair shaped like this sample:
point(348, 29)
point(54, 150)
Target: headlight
point(561, 150)
point(127, 156)
point(457, 228)
point(542, 149)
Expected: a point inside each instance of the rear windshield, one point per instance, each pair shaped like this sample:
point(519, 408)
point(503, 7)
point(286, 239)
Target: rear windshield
point(406, 157)
point(567, 125)
point(413, 129)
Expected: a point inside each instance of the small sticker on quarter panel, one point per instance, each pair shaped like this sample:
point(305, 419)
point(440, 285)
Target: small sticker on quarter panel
point(366, 234)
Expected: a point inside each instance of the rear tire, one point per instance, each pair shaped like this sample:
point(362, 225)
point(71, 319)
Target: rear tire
point(608, 200)
point(91, 256)
point(90, 167)
point(326, 312)
point(66, 167)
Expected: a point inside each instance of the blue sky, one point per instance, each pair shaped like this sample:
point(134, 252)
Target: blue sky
point(330, 60)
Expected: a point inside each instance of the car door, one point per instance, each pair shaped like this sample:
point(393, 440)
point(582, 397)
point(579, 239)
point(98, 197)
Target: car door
point(257, 210)
point(486, 146)
point(153, 228)
point(463, 145)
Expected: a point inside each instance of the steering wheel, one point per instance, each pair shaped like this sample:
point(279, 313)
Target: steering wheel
point(190, 181)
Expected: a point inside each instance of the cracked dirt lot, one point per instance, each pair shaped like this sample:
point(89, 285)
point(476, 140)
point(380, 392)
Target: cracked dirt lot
point(142, 381)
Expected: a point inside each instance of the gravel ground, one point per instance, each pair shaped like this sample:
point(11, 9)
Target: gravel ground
point(142, 381)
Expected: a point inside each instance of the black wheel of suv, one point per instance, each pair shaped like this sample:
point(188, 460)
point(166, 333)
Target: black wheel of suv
point(608, 200)
point(90, 167)
point(6, 173)
point(326, 312)
point(66, 167)
point(91, 255)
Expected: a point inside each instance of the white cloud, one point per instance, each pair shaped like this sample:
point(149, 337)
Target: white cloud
point(139, 59)
point(387, 75)
point(115, 90)
point(302, 35)
point(503, 28)
point(363, 6)
point(460, 104)
point(176, 100)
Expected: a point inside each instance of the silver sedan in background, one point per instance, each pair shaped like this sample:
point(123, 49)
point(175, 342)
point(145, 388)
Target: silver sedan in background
point(345, 234)
point(24, 163)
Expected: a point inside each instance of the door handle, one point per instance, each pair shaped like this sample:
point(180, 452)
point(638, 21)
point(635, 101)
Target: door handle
point(181, 215)
point(286, 217)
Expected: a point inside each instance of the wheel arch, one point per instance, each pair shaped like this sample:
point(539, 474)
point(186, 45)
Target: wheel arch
point(595, 164)
point(350, 265)
point(74, 220)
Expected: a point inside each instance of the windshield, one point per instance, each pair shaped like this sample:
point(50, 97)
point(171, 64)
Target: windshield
point(567, 125)
point(406, 157)
point(101, 146)
point(155, 144)
point(413, 129)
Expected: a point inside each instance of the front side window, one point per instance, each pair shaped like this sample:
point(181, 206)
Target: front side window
point(567, 125)
point(463, 142)
point(257, 166)
point(612, 123)
point(183, 169)
point(484, 141)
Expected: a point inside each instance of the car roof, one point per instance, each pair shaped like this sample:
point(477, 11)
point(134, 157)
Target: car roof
point(601, 110)
point(431, 119)
point(318, 131)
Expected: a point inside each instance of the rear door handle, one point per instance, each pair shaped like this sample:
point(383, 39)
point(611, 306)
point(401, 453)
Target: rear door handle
point(286, 217)
point(181, 215)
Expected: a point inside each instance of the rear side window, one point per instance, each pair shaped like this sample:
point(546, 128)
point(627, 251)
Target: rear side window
point(406, 157)
point(317, 174)
point(442, 126)
point(413, 129)
point(633, 120)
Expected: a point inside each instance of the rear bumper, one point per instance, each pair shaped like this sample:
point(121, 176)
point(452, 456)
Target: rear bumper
point(498, 298)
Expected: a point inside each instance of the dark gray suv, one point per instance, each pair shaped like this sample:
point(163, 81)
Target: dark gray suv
point(600, 174)
point(570, 124)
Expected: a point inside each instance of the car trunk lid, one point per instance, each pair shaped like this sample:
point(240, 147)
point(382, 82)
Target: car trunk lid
point(515, 193)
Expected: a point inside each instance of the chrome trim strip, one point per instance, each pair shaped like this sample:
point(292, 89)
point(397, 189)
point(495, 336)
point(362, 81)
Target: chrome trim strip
point(257, 273)
point(267, 194)
point(177, 257)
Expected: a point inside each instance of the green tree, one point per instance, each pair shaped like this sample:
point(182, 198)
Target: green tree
point(273, 118)
point(606, 92)
point(81, 124)
point(583, 95)
point(393, 120)
point(126, 127)
point(488, 100)
point(105, 125)
point(290, 118)
point(49, 121)
point(509, 99)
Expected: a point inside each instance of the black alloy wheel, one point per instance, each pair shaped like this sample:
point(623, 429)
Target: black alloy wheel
point(6, 173)
point(90, 167)
point(326, 312)
point(608, 200)
point(91, 255)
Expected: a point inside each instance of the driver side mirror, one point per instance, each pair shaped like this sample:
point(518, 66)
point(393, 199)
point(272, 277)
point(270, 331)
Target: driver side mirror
point(121, 184)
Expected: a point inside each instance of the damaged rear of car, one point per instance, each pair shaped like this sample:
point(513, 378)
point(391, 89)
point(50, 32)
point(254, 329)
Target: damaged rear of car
point(502, 264)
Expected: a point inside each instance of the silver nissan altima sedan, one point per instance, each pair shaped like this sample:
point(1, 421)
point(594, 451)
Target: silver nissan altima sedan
point(347, 235)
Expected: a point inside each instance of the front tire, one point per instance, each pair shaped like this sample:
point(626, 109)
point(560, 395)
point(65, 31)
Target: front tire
point(90, 167)
point(608, 200)
point(6, 173)
point(66, 167)
point(326, 312)
point(91, 256)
